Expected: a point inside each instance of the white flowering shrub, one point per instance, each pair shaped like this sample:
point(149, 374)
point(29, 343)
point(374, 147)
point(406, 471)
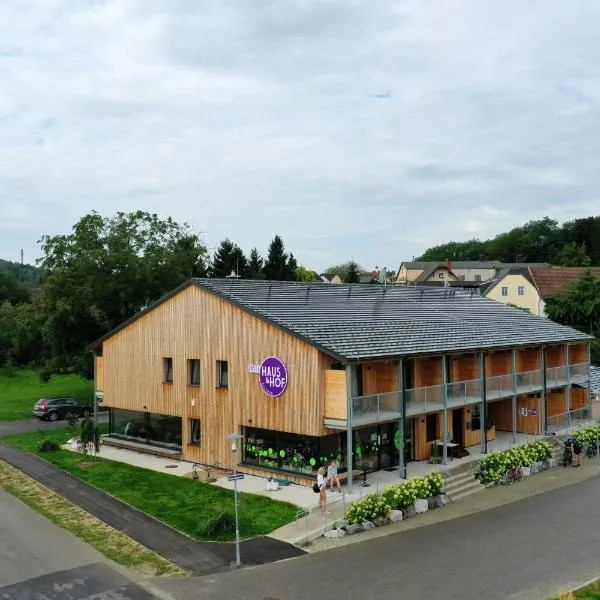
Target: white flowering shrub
point(494, 465)
point(369, 508)
point(588, 435)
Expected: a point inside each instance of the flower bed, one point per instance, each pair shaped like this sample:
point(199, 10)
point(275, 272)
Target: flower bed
point(494, 465)
point(397, 496)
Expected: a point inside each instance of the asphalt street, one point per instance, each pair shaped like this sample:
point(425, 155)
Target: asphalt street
point(40, 560)
point(526, 550)
point(34, 424)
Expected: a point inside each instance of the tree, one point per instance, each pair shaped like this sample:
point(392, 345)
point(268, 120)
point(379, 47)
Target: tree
point(304, 274)
point(579, 306)
point(229, 258)
point(90, 437)
point(255, 265)
point(106, 271)
point(573, 255)
point(292, 265)
point(353, 273)
point(11, 289)
point(344, 271)
point(277, 266)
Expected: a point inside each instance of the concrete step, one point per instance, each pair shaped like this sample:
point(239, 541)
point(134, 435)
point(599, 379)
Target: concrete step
point(461, 485)
point(475, 487)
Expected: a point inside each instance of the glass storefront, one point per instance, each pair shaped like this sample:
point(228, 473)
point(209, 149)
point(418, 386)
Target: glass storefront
point(374, 448)
point(150, 428)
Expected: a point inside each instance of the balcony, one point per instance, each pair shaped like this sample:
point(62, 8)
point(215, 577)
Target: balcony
point(579, 373)
point(368, 410)
point(556, 377)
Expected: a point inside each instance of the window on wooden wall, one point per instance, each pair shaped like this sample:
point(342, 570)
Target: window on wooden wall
point(431, 427)
point(222, 374)
point(168, 370)
point(195, 432)
point(475, 417)
point(193, 371)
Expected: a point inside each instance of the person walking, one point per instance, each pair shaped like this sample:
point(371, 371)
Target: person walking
point(332, 475)
point(322, 483)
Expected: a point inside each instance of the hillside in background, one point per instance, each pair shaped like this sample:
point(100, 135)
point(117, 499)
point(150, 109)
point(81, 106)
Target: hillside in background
point(574, 244)
point(29, 273)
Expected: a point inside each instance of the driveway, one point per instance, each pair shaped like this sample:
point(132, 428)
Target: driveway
point(526, 550)
point(39, 559)
point(34, 424)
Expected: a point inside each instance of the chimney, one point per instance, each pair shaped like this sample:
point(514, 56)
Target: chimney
point(449, 264)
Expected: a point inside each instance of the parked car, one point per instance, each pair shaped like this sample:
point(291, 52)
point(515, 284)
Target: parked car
point(51, 409)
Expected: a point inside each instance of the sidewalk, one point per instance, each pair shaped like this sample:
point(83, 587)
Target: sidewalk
point(486, 499)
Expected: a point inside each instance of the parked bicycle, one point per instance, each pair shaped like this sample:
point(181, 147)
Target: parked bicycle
point(591, 450)
point(513, 474)
point(567, 456)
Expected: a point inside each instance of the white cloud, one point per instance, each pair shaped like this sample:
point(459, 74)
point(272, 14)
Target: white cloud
point(355, 130)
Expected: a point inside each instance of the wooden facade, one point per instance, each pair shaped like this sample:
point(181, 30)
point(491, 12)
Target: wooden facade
point(197, 325)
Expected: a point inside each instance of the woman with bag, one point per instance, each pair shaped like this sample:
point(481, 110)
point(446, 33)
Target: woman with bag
point(321, 485)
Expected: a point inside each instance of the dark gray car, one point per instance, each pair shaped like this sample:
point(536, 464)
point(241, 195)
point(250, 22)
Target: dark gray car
point(51, 409)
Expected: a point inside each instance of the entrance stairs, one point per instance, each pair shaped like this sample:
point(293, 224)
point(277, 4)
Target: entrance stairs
point(461, 482)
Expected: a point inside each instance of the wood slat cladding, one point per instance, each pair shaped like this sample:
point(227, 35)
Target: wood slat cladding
point(578, 353)
point(380, 377)
point(464, 367)
point(501, 413)
point(195, 324)
point(336, 400)
point(99, 373)
point(556, 402)
point(427, 371)
point(528, 359)
point(578, 398)
point(556, 356)
point(498, 363)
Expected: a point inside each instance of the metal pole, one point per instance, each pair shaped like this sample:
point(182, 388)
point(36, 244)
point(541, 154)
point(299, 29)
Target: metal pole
point(445, 413)
point(568, 395)
point(237, 521)
point(514, 398)
point(542, 415)
point(401, 425)
point(349, 369)
point(483, 419)
point(95, 394)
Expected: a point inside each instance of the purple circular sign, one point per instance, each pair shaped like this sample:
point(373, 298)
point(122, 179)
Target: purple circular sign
point(273, 376)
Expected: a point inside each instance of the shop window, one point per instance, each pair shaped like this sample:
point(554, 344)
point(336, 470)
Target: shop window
point(475, 417)
point(168, 370)
point(150, 428)
point(222, 374)
point(431, 427)
point(505, 291)
point(194, 372)
point(195, 432)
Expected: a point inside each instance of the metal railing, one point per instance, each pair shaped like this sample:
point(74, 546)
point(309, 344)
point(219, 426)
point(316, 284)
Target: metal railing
point(556, 376)
point(464, 392)
point(377, 407)
point(529, 381)
point(569, 421)
point(579, 372)
point(425, 399)
point(498, 386)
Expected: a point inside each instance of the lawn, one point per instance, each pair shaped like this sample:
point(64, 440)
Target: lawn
point(20, 389)
point(184, 504)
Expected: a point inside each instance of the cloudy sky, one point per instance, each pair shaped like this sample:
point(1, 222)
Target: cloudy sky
point(354, 129)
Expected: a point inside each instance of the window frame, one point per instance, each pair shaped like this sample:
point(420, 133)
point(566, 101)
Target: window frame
point(224, 385)
point(441, 275)
point(504, 291)
point(195, 427)
point(168, 368)
point(190, 372)
point(521, 290)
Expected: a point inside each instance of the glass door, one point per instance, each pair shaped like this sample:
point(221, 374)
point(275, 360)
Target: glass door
point(389, 447)
point(409, 437)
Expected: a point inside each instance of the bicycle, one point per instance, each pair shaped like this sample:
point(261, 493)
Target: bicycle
point(591, 450)
point(513, 474)
point(567, 457)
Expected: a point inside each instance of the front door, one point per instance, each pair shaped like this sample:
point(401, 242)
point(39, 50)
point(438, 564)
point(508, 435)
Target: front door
point(457, 426)
point(375, 447)
point(409, 440)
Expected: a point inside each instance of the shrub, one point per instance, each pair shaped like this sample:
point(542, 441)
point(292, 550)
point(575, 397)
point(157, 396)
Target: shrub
point(587, 435)
point(495, 464)
point(218, 527)
point(45, 375)
point(369, 508)
point(436, 483)
point(49, 446)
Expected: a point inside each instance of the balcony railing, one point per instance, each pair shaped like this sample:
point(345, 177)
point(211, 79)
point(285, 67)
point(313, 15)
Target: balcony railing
point(556, 377)
point(579, 373)
point(529, 381)
point(499, 386)
point(464, 392)
point(376, 408)
point(424, 399)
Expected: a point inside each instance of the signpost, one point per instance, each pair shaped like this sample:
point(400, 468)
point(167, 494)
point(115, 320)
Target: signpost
point(236, 477)
point(234, 438)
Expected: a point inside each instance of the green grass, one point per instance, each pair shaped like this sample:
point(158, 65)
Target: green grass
point(20, 389)
point(180, 502)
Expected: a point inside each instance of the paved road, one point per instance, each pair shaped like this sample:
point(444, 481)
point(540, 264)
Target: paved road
point(526, 550)
point(39, 559)
point(31, 425)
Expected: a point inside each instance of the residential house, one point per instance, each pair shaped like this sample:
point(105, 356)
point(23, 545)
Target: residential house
point(374, 376)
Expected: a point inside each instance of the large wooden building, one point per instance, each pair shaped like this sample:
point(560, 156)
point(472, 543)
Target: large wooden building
point(373, 376)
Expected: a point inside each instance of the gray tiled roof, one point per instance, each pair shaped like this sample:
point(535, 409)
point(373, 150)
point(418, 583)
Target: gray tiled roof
point(371, 321)
point(595, 380)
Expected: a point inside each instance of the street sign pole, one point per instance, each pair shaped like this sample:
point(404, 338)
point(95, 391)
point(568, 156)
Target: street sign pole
point(237, 521)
